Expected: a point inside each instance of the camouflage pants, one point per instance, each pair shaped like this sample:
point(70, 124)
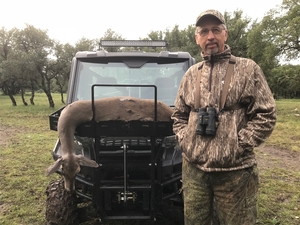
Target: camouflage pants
point(234, 194)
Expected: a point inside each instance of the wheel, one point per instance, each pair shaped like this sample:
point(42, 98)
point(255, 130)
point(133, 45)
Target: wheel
point(61, 206)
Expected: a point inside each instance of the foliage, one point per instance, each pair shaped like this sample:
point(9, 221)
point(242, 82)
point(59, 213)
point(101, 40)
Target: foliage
point(281, 29)
point(289, 26)
point(285, 81)
point(237, 32)
point(261, 48)
point(111, 35)
point(30, 60)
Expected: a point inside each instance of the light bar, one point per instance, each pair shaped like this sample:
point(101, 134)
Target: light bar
point(133, 43)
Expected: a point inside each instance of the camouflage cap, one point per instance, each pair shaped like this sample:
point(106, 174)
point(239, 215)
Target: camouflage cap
point(210, 12)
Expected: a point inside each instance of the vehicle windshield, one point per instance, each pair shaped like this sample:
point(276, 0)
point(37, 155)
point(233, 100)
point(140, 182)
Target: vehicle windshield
point(166, 77)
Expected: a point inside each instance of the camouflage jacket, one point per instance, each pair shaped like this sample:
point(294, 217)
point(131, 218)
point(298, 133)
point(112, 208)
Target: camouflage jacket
point(238, 131)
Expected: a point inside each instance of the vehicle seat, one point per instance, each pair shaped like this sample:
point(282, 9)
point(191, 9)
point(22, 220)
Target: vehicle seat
point(107, 80)
point(112, 80)
point(166, 90)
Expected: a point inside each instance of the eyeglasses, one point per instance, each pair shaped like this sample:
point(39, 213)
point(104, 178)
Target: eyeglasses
point(205, 31)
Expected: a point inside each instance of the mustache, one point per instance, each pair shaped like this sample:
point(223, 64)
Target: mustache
point(210, 43)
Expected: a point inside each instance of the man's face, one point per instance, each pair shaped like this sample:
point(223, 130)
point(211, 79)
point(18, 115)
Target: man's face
point(211, 36)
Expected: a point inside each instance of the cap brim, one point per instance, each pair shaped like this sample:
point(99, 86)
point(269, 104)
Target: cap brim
point(206, 16)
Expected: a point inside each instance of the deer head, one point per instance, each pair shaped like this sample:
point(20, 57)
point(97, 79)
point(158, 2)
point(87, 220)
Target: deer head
point(70, 168)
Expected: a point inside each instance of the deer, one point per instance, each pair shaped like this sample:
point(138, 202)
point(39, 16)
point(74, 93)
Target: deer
point(78, 112)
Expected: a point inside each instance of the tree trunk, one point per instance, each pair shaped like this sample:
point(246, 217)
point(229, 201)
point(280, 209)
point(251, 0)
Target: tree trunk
point(62, 98)
point(13, 100)
point(7, 91)
point(61, 92)
point(32, 98)
point(23, 98)
point(32, 94)
point(50, 99)
point(46, 85)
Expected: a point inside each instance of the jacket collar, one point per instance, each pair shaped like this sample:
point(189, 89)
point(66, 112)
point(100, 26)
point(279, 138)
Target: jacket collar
point(219, 56)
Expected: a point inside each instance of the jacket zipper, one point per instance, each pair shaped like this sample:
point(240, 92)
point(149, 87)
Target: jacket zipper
point(210, 74)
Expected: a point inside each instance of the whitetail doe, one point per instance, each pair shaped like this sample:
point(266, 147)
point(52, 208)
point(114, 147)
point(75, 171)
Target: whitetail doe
point(115, 108)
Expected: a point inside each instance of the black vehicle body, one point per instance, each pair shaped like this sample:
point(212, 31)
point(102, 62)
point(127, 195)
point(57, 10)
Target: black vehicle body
point(139, 161)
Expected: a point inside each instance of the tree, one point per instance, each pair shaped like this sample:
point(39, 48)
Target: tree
point(274, 39)
point(20, 69)
point(63, 55)
point(175, 38)
point(85, 44)
point(155, 36)
point(289, 25)
point(7, 83)
point(285, 81)
point(111, 35)
point(261, 47)
point(38, 47)
point(6, 42)
point(237, 26)
point(281, 26)
point(190, 43)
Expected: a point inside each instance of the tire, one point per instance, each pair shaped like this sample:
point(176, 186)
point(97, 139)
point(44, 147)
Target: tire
point(171, 215)
point(61, 206)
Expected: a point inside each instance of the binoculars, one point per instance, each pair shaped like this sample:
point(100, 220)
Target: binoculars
point(207, 118)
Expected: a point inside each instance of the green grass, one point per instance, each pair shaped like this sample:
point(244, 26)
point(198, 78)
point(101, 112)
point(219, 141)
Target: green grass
point(279, 195)
point(29, 143)
point(287, 131)
point(24, 160)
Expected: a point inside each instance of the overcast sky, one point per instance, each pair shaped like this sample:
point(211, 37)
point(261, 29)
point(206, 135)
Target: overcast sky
point(70, 20)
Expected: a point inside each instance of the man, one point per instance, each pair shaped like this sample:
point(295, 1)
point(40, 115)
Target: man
point(219, 165)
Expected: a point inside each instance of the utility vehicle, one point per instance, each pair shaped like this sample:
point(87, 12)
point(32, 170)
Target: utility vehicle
point(139, 173)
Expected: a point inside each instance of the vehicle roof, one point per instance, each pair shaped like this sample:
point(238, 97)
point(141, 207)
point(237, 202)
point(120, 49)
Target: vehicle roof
point(103, 53)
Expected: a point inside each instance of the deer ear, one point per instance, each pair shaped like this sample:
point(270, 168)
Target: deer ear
point(54, 167)
point(86, 162)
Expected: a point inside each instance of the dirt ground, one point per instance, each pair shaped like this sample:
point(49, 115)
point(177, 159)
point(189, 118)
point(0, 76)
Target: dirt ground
point(5, 135)
point(272, 156)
